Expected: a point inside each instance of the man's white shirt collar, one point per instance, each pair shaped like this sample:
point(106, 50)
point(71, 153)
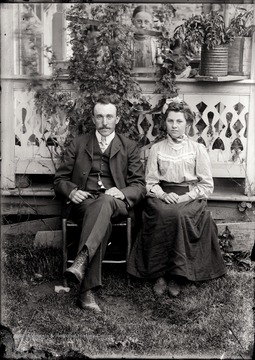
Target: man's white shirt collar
point(108, 138)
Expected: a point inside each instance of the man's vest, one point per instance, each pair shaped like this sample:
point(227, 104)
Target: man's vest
point(100, 166)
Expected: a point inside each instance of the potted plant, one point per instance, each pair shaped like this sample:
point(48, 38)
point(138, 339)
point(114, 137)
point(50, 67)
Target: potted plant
point(206, 33)
point(241, 28)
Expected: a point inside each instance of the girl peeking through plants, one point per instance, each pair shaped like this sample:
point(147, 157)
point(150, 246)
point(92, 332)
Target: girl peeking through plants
point(149, 50)
point(146, 48)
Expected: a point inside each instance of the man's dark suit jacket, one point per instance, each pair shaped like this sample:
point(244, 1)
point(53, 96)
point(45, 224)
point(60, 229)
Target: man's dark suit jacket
point(125, 166)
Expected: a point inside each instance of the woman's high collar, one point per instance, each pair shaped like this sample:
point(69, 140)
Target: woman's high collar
point(177, 143)
point(178, 140)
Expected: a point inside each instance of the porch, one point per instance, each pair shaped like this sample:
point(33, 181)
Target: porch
point(224, 108)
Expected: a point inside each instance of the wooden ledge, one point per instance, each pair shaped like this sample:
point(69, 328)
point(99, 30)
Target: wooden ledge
point(218, 195)
point(29, 192)
point(230, 197)
point(221, 78)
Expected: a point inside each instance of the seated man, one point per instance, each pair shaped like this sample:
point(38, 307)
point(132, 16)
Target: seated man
point(101, 175)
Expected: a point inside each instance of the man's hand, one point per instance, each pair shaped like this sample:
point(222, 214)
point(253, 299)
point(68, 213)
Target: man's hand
point(77, 196)
point(115, 193)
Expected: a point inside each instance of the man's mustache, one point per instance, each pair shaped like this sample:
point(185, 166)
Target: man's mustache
point(104, 127)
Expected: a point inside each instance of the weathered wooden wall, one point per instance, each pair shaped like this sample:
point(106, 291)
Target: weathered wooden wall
point(48, 210)
point(48, 205)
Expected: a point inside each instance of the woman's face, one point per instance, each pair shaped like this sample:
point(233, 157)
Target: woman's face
point(143, 20)
point(175, 124)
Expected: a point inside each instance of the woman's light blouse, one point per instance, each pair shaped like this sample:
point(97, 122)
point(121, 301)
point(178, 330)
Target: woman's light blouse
point(185, 163)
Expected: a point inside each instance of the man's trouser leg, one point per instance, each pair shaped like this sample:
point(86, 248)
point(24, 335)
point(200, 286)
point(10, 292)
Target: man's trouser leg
point(96, 230)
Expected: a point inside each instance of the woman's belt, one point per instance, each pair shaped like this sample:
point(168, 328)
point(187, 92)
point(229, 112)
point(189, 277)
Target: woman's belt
point(170, 187)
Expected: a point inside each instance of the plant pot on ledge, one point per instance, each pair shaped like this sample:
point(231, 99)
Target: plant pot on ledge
point(207, 32)
point(214, 62)
point(239, 56)
point(241, 28)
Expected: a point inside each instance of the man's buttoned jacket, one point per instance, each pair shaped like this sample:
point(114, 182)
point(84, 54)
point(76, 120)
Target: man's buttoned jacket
point(125, 165)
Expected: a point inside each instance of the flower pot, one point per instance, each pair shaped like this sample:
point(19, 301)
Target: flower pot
point(239, 56)
point(214, 62)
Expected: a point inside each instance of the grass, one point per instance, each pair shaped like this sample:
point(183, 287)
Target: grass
point(208, 319)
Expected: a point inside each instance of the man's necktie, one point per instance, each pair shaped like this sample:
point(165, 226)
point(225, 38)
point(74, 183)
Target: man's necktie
point(103, 144)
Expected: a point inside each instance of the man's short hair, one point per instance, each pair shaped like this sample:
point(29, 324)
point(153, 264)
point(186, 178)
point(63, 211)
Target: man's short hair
point(107, 99)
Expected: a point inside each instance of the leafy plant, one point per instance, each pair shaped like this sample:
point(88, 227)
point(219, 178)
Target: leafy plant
point(164, 14)
point(175, 60)
point(240, 24)
point(239, 260)
point(167, 70)
point(205, 29)
point(225, 240)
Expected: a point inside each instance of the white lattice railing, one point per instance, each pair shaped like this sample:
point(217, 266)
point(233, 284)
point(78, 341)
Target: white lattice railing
point(221, 124)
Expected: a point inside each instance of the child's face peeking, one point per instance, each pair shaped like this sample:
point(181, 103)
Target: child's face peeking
point(143, 20)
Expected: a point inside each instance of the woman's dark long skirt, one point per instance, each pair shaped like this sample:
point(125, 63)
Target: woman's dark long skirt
point(177, 239)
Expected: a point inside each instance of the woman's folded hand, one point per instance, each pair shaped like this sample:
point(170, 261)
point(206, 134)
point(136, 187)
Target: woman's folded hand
point(171, 198)
point(183, 198)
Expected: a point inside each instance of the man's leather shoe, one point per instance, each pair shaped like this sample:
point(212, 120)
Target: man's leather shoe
point(160, 286)
point(75, 273)
point(87, 302)
point(174, 288)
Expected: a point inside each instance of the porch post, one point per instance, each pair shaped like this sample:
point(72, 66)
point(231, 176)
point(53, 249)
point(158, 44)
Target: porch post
point(7, 107)
point(250, 167)
point(58, 33)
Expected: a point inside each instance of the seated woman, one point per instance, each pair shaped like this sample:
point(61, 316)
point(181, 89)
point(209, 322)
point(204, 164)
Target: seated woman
point(179, 237)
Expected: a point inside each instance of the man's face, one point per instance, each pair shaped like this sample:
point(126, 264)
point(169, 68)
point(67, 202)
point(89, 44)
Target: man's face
point(105, 118)
point(143, 20)
point(175, 124)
